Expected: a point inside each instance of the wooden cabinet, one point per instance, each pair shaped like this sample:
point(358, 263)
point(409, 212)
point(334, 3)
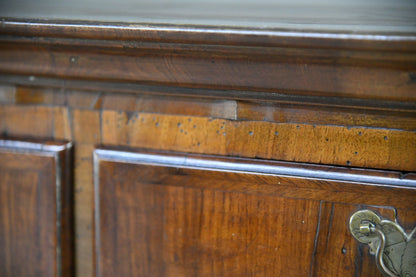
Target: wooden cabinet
point(210, 140)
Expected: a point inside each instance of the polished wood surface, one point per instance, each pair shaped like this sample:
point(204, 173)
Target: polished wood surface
point(36, 235)
point(179, 215)
point(226, 135)
point(386, 149)
point(88, 118)
point(304, 64)
point(315, 94)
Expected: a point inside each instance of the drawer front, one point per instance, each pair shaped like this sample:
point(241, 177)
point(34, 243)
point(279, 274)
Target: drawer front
point(160, 214)
point(35, 209)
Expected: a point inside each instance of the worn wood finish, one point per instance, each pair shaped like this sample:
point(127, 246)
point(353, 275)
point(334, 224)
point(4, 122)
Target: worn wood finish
point(284, 109)
point(349, 255)
point(175, 215)
point(339, 98)
point(326, 115)
point(345, 146)
point(267, 61)
point(76, 88)
point(88, 118)
point(338, 145)
point(36, 223)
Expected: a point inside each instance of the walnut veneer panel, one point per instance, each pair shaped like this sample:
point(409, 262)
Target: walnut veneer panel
point(144, 116)
point(160, 214)
point(35, 209)
point(335, 145)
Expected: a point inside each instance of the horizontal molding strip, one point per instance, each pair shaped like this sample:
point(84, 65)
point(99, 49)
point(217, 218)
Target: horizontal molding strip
point(327, 65)
point(257, 166)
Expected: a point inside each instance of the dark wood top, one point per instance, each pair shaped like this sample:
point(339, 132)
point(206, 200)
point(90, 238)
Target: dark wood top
point(354, 16)
point(360, 50)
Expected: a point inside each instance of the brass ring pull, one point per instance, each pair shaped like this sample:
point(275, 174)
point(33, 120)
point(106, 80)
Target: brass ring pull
point(395, 251)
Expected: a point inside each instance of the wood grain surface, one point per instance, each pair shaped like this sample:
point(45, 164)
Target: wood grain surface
point(172, 215)
point(230, 60)
point(97, 115)
point(382, 148)
point(343, 99)
point(36, 235)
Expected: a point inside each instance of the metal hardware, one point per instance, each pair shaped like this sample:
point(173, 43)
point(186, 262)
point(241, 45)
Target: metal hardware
point(395, 251)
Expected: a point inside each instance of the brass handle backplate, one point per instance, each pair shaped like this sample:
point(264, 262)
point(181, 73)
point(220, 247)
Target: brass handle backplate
point(395, 251)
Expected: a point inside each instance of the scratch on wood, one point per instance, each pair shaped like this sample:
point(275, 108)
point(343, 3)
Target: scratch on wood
point(251, 242)
point(318, 225)
point(330, 226)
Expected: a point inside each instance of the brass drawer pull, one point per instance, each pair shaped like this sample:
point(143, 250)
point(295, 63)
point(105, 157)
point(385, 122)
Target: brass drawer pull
point(395, 250)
